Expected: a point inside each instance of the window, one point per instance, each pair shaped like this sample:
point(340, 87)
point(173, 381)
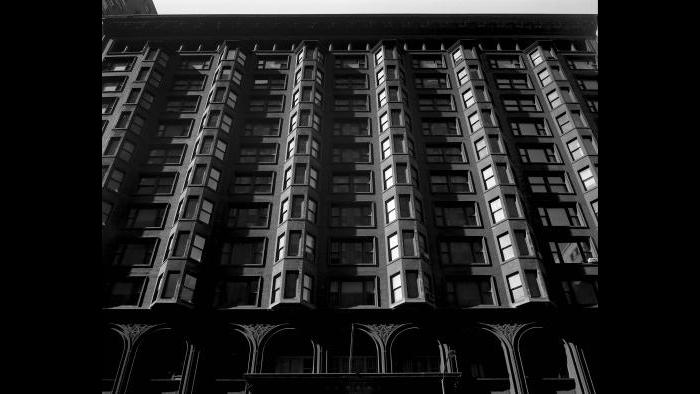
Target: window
point(488, 177)
point(118, 64)
point(393, 245)
point(162, 183)
point(268, 62)
point(258, 153)
point(166, 154)
point(542, 153)
point(554, 98)
point(174, 128)
point(352, 215)
point(575, 149)
point(592, 104)
point(360, 182)
point(249, 215)
point(585, 84)
point(474, 291)
point(432, 81)
point(445, 153)
point(126, 291)
point(352, 153)
point(428, 61)
point(278, 81)
point(113, 84)
point(475, 122)
point(440, 126)
point(350, 61)
point(243, 251)
point(468, 97)
point(108, 104)
point(536, 57)
point(310, 248)
point(456, 215)
point(435, 102)
point(450, 182)
point(587, 178)
point(182, 104)
point(572, 251)
point(139, 252)
point(594, 205)
point(188, 82)
point(463, 76)
point(240, 291)
point(497, 211)
point(462, 251)
point(271, 103)
point(480, 146)
point(560, 216)
point(351, 81)
point(356, 127)
point(253, 183)
point(581, 292)
point(147, 216)
point(515, 285)
point(106, 211)
point(506, 247)
point(412, 284)
point(408, 241)
point(506, 62)
point(358, 102)
point(114, 180)
point(545, 77)
point(582, 62)
point(549, 182)
point(457, 56)
point(512, 81)
point(276, 289)
point(358, 291)
point(521, 103)
point(390, 208)
point(352, 251)
point(396, 292)
point(262, 127)
point(529, 127)
point(280, 247)
point(388, 178)
point(307, 288)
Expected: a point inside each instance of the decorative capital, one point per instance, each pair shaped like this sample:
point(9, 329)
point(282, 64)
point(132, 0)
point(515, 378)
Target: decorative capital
point(259, 330)
point(507, 330)
point(383, 331)
point(133, 331)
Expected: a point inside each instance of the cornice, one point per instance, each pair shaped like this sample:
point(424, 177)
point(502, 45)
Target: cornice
point(363, 25)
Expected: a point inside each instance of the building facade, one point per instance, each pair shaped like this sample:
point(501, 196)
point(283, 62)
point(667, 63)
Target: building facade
point(350, 204)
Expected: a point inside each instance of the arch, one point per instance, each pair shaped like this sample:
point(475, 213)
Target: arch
point(481, 354)
point(225, 357)
point(113, 352)
point(365, 351)
point(288, 350)
point(543, 354)
point(159, 363)
point(413, 350)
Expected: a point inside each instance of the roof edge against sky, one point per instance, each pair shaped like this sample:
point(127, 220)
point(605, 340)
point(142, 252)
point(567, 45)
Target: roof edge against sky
point(295, 25)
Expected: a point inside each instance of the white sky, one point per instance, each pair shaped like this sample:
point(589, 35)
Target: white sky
point(376, 6)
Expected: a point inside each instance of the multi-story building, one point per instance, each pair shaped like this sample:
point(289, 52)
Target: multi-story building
point(350, 204)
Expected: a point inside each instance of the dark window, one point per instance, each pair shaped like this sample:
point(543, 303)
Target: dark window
point(353, 292)
point(432, 81)
point(542, 153)
point(352, 251)
point(195, 62)
point(249, 215)
point(188, 82)
point(356, 127)
point(351, 81)
point(146, 216)
point(572, 251)
point(243, 251)
point(440, 126)
point(262, 127)
point(350, 61)
point(126, 291)
point(445, 153)
point(352, 153)
point(270, 82)
point(560, 216)
point(449, 215)
point(253, 183)
point(270, 62)
point(450, 182)
point(358, 102)
point(359, 182)
point(272, 103)
point(470, 292)
point(462, 251)
point(512, 81)
point(352, 215)
point(174, 128)
point(242, 291)
point(137, 252)
point(182, 104)
point(166, 154)
point(521, 104)
point(428, 61)
point(435, 102)
point(258, 153)
point(549, 182)
point(162, 183)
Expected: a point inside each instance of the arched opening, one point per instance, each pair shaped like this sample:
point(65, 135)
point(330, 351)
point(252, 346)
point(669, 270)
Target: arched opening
point(544, 362)
point(288, 352)
point(415, 351)
point(223, 362)
point(481, 359)
point(159, 364)
point(364, 352)
point(112, 351)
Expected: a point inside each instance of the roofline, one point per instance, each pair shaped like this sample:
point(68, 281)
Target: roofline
point(296, 25)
